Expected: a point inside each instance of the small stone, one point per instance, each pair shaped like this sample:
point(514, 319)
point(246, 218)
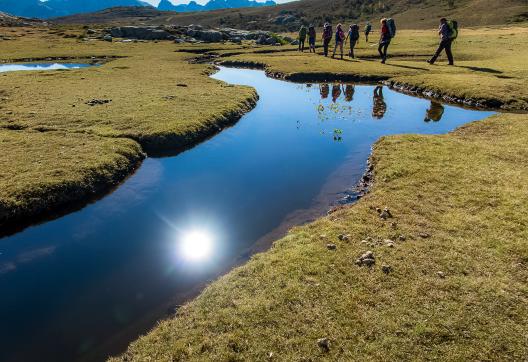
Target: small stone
point(424, 235)
point(270, 355)
point(322, 236)
point(386, 269)
point(364, 242)
point(440, 274)
point(324, 344)
point(366, 259)
point(394, 224)
point(331, 246)
point(344, 237)
point(385, 214)
point(389, 243)
point(378, 210)
point(402, 238)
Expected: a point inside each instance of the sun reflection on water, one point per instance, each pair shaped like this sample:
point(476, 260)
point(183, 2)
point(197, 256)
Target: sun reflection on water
point(196, 245)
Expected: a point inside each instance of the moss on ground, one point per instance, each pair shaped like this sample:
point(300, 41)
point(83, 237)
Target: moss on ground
point(456, 289)
point(490, 65)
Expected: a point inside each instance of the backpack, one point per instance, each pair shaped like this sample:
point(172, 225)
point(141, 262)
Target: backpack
point(354, 32)
point(368, 28)
point(453, 29)
point(327, 34)
point(392, 27)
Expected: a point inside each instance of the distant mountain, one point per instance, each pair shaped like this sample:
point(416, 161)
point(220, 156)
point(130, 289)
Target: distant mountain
point(166, 5)
point(55, 8)
point(58, 8)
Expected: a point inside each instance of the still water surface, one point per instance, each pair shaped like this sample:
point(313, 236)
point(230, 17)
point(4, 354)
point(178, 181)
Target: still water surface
point(40, 66)
point(84, 285)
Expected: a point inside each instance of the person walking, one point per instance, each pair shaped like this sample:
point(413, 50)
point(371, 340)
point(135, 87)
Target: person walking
point(353, 35)
point(311, 38)
point(340, 39)
point(384, 42)
point(446, 40)
point(302, 38)
point(327, 37)
point(368, 29)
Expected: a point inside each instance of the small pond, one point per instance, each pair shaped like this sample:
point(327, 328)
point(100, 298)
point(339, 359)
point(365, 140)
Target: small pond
point(84, 285)
point(41, 66)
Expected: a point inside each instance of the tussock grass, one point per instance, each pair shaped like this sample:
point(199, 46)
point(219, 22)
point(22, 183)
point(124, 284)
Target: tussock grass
point(466, 190)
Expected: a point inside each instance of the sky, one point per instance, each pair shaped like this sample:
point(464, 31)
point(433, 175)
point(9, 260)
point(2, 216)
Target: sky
point(177, 2)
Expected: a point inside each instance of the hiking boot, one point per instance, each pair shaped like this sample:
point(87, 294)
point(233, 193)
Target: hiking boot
point(430, 62)
point(451, 64)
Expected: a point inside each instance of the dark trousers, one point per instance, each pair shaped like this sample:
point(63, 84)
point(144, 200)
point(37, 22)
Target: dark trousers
point(326, 43)
point(382, 49)
point(444, 45)
point(352, 46)
point(301, 45)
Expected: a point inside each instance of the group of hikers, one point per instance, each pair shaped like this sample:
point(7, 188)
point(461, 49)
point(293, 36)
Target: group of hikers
point(379, 107)
point(448, 32)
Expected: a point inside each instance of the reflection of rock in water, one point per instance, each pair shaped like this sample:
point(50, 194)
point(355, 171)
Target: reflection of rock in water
point(324, 89)
point(349, 92)
point(336, 92)
point(435, 112)
point(379, 106)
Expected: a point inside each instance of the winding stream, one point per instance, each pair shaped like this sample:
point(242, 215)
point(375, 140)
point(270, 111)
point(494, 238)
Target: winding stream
point(83, 286)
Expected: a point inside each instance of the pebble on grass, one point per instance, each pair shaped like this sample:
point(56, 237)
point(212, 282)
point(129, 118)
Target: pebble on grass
point(331, 246)
point(324, 344)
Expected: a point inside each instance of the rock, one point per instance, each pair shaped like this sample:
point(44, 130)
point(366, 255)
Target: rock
point(386, 268)
point(208, 36)
point(344, 237)
point(331, 246)
point(107, 37)
point(394, 225)
point(378, 210)
point(90, 31)
point(367, 259)
point(294, 42)
point(440, 274)
point(402, 238)
point(424, 235)
point(324, 344)
point(389, 243)
point(385, 214)
point(95, 102)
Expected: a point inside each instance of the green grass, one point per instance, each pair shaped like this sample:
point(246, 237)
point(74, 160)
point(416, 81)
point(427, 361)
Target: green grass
point(158, 99)
point(490, 64)
point(466, 190)
point(46, 171)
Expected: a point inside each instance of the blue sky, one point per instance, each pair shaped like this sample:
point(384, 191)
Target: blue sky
point(176, 2)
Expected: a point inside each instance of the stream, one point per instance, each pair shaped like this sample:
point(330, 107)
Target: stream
point(83, 286)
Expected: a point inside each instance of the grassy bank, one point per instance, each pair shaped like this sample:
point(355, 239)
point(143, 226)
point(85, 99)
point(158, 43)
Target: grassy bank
point(70, 134)
point(455, 287)
point(449, 279)
point(490, 65)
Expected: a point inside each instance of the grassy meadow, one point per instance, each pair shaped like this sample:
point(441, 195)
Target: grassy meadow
point(451, 264)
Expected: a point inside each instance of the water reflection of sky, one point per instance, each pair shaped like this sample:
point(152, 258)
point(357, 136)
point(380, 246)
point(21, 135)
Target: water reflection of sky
point(40, 66)
point(82, 281)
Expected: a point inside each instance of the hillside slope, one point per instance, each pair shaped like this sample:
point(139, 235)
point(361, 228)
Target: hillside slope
point(408, 13)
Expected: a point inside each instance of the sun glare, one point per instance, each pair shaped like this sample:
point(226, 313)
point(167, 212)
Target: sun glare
point(196, 245)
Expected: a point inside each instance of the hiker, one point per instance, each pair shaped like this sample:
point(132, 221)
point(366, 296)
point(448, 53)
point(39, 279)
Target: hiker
point(336, 92)
point(447, 35)
point(435, 112)
point(368, 29)
point(385, 40)
point(302, 38)
point(349, 92)
point(379, 106)
point(353, 34)
point(311, 38)
point(340, 39)
point(324, 90)
point(327, 37)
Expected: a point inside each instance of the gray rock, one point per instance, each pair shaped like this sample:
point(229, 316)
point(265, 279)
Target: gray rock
point(324, 344)
point(441, 275)
point(294, 42)
point(331, 246)
point(107, 37)
point(141, 33)
point(386, 268)
point(367, 259)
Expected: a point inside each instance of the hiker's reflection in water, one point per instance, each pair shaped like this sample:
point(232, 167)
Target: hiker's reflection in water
point(435, 112)
point(349, 92)
point(324, 89)
point(336, 92)
point(379, 106)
